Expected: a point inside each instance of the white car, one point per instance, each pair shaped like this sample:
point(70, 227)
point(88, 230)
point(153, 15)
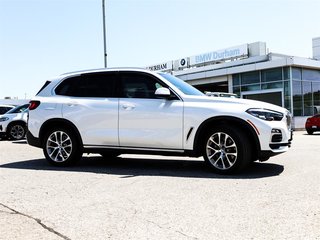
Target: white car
point(13, 124)
point(115, 111)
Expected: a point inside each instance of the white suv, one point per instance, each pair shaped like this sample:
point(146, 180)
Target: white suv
point(115, 111)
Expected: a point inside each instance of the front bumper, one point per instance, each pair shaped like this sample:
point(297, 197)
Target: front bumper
point(2, 131)
point(276, 141)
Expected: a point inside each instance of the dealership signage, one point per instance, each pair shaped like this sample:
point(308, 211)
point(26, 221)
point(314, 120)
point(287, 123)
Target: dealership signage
point(201, 59)
point(161, 66)
point(223, 54)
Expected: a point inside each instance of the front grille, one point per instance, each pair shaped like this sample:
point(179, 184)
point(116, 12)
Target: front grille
point(276, 138)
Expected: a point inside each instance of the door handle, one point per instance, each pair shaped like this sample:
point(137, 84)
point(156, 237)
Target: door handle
point(72, 104)
point(128, 106)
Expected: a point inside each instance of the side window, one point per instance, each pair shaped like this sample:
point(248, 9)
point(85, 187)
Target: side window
point(21, 108)
point(137, 85)
point(3, 110)
point(97, 85)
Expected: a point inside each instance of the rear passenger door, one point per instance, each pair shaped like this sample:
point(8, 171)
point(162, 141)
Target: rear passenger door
point(91, 105)
point(146, 121)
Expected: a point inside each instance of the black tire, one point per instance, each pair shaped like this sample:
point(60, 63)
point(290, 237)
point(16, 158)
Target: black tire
point(309, 131)
point(16, 131)
point(61, 147)
point(227, 150)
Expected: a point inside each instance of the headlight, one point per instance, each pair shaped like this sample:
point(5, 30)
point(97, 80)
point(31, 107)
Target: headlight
point(265, 114)
point(3, 119)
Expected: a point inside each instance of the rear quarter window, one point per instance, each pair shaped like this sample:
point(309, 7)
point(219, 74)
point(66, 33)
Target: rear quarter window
point(100, 85)
point(43, 87)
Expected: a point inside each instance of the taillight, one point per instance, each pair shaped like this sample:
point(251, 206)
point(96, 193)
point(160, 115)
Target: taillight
point(33, 105)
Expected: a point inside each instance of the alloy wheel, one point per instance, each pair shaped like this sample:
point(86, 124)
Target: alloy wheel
point(221, 151)
point(59, 146)
point(17, 132)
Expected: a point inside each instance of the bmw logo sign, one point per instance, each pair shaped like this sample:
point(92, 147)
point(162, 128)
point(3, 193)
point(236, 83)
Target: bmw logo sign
point(182, 62)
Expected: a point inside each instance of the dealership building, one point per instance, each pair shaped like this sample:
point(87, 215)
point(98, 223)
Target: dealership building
point(249, 71)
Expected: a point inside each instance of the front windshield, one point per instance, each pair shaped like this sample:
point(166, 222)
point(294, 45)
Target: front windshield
point(19, 109)
point(182, 85)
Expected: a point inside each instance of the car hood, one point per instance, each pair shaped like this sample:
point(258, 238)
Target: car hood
point(236, 102)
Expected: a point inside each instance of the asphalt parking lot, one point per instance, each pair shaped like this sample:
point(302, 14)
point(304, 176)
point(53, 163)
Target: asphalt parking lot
point(152, 197)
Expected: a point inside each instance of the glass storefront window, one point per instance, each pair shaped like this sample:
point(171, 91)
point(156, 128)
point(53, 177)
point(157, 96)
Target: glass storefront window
point(250, 77)
point(307, 99)
point(286, 88)
point(286, 73)
point(316, 96)
point(253, 87)
point(272, 85)
point(236, 90)
point(296, 73)
point(297, 98)
point(312, 75)
point(271, 75)
point(305, 95)
point(236, 79)
point(287, 95)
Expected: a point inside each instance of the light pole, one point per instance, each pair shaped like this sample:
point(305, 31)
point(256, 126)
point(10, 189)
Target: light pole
point(104, 34)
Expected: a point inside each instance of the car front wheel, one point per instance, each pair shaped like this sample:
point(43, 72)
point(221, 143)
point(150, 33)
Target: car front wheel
point(61, 147)
point(16, 131)
point(227, 150)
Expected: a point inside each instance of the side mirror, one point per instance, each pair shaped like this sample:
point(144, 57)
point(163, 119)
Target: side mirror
point(163, 93)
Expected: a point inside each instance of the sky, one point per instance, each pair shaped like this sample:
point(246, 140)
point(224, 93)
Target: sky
point(41, 39)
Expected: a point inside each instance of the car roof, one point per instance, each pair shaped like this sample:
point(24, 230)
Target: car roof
point(101, 70)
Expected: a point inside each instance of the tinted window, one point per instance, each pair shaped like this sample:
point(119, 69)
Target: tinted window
point(137, 85)
point(236, 79)
point(4, 110)
point(250, 77)
point(19, 109)
point(308, 74)
point(272, 75)
point(99, 85)
point(296, 73)
point(45, 84)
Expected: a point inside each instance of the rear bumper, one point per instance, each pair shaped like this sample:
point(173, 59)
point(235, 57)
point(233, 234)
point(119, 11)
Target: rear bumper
point(33, 141)
point(313, 128)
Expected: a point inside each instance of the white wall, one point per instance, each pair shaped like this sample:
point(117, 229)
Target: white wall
point(299, 122)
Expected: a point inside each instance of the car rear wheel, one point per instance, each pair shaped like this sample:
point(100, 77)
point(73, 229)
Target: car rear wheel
point(16, 131)
point(61, 147)
point(227, 150)
point(309, 131)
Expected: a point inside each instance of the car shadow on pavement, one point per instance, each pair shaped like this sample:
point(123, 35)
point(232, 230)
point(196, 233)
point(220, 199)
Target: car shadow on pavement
point(134, 167)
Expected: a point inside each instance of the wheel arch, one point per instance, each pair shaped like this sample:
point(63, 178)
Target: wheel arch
point(61, 123)
point(229, 121)
point(16, 121)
